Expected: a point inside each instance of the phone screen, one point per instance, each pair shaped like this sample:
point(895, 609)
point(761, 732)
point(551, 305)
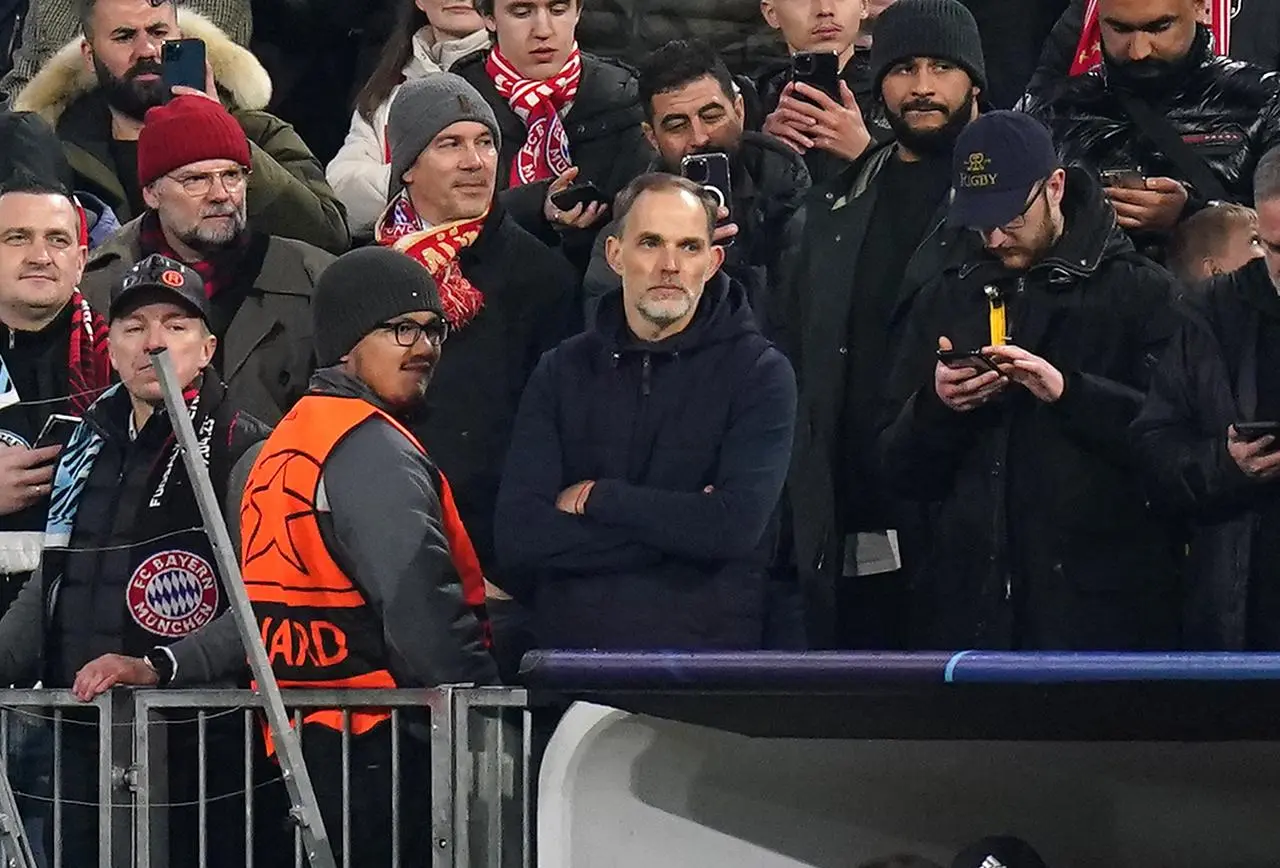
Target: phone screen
point(957, 359)
point(57, 430)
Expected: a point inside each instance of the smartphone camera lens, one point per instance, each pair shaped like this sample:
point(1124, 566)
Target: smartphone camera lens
point(804, 64)
point(696, 172)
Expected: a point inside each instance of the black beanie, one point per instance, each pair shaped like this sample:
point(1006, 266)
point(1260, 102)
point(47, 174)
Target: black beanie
point(361, 290)
point(927, 28)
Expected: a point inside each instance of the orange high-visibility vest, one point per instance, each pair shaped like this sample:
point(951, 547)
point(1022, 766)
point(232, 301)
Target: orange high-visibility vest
point(318, 628)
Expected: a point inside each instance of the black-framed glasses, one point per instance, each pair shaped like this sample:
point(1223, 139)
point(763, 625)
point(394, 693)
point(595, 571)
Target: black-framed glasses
point(407, 331)
point(233, 180)
point(1021, 220)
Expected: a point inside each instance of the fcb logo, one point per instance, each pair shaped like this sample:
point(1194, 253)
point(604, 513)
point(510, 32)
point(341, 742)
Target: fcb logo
point(173, 593)
point(8, 438)
point(171, 278)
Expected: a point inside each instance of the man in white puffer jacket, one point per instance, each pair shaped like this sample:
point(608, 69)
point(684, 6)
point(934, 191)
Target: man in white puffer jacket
point(429, 36)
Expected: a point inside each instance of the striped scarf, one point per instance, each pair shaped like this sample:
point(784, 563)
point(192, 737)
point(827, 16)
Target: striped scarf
point(88, 367)
point(545, 153)
point(1089, 50)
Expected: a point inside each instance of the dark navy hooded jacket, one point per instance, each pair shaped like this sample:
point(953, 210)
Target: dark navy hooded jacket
point(656, 561)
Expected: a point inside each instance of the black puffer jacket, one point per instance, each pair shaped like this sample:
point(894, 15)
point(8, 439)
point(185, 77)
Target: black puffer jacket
point(1224, 109)
point(1041, 537)
point(1207, 381)
point(1255, 38)
point(630, 29)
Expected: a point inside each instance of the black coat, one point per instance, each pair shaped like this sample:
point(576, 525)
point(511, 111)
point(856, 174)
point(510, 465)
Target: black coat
point(1012, 35)
point(465, 424)
point(630, 29)
point(1224, 109)
point(657, 561)
point(1255, 38)
point(1207, 381)
point(816, 331)
point(1041, 535)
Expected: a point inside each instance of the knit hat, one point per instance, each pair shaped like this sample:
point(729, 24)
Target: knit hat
point(186, 130)
point(421, 109)
point(1003, 851)
point(927, 28)
point(362, 289)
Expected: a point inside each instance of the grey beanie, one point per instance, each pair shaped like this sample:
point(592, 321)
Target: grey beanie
point(927, 28)
point(421, 109)
point(362, 289)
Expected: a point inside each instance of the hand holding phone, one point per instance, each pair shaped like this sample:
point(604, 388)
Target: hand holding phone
point(1123, 179)
point(961, 379)
point(972, 359)
point(1252, 446)
point(57, 431)
point(712, 173)
point(819, 69)
point(582, 193)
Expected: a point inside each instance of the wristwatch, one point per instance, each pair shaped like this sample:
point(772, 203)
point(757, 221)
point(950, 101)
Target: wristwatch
point(162, 662)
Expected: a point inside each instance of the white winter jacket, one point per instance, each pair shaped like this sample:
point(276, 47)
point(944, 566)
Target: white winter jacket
point(360, 172)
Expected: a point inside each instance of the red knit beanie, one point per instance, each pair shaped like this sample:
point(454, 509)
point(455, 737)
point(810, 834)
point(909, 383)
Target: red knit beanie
point(186, 130)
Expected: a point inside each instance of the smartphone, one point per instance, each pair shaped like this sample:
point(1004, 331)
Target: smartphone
point(1250, 431)
point(1127, 179)
point(183, 63)
point(711, 173)
point(956, 359)
point(818, 69)
point(56, 431)
point(584, 193)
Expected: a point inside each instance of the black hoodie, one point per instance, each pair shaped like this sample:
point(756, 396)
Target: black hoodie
point(657, 561)
point(1041, 536)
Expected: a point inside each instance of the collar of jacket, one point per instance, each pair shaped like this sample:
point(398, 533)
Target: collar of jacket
point(64, 78)
point(856, 179)
point(335, 382)
point(490, 236)
point(110, 415)
point(1091, 237)
point(429, 56)
point(723, 313)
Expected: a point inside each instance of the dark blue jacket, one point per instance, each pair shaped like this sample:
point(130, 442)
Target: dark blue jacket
point(656, 561)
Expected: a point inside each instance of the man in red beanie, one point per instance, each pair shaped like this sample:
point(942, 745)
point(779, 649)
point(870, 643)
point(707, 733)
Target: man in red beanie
point(97, 90)
point(194, 168)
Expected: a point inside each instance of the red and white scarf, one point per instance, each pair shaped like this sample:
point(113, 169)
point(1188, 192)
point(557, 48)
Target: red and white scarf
point(1089, 50)
point(437, 249)
point(545, 153)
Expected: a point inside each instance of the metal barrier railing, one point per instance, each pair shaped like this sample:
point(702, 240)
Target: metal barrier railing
point(183, 779)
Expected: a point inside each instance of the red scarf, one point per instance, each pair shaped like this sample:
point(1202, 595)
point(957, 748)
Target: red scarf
point(437, 248)
point(88, 366)
point(545, 153)
point(1089, 50)
point(217, 270)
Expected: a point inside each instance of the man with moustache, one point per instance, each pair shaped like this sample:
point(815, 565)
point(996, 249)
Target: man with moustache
point(1158, 63)
point(193, 163)
point(97, 90)
point(649, 452)
point(1041, 536)
point(873, 236)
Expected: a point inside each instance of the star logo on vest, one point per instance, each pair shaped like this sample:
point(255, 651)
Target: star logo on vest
point(173, 593)
point(271, 509)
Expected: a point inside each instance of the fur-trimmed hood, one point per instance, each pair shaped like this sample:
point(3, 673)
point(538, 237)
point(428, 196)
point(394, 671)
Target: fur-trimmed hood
point(64, 78)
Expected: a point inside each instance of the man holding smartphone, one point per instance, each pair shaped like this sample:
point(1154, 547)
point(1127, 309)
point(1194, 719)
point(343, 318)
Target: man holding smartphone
point(829, 119)
point(1208, 437)
point(1042, 538)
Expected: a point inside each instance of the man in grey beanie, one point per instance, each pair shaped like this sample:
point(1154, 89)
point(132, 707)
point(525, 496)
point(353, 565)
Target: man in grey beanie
point(507, 296)
point(873, 238)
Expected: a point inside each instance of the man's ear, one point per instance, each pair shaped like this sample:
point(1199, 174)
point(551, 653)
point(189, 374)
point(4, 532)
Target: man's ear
point(613, 253)
point(86, 54)
point(647, 128)
point(717, 260)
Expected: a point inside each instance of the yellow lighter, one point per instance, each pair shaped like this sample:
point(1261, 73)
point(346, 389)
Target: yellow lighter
point(999, 325)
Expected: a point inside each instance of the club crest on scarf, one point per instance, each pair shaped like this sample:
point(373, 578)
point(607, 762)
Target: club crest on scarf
point(545, 153)
point(437, 249)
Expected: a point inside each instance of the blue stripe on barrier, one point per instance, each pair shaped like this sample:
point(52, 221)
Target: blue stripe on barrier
point(1060, 667)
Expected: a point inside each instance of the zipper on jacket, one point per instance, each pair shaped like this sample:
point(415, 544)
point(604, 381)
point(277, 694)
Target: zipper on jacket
point(646, 368)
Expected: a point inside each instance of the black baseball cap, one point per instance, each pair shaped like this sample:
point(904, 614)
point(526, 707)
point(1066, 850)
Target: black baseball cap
point(160, 276)
point(999, 159)
point(1001, 851)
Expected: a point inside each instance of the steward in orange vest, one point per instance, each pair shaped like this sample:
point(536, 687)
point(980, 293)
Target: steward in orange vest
point(360, 572)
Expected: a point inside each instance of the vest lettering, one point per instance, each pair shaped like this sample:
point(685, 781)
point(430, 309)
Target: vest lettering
point(318, 644)
point(281, 645)
point(322, 630)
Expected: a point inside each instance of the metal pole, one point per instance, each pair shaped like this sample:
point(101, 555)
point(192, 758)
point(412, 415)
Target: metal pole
point(288, 749)
point(15, 844)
